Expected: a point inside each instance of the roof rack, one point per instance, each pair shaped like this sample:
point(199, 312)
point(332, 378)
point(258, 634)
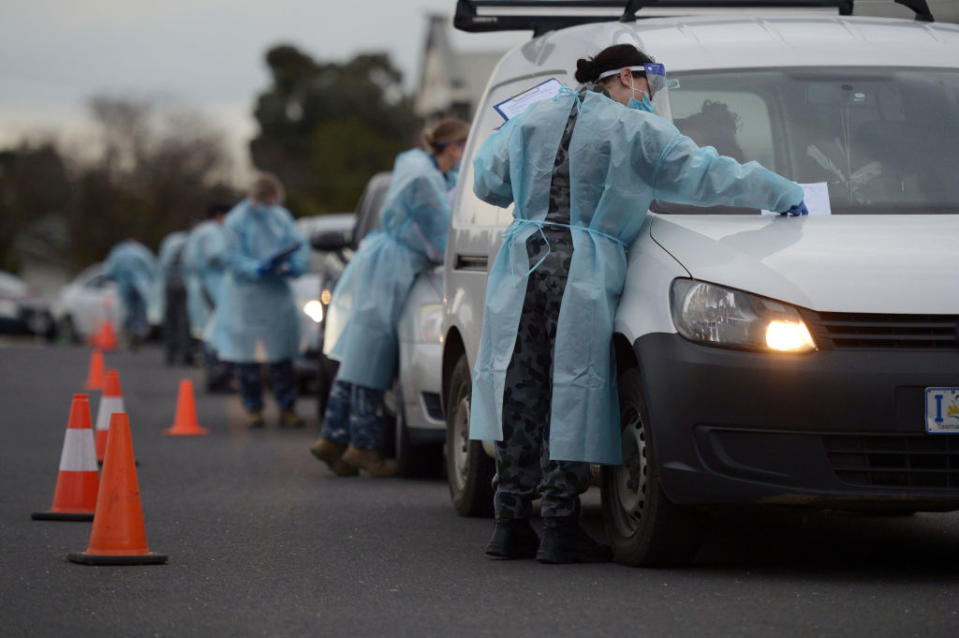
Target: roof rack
point(542, 16)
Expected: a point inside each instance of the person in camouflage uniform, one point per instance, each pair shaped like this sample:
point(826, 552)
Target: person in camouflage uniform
point(524, 469)
point(523, 466)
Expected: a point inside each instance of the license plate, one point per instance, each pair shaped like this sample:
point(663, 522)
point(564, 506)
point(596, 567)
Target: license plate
point(942, 410)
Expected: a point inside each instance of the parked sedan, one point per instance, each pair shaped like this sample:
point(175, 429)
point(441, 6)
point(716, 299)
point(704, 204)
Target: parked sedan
point(22, 310)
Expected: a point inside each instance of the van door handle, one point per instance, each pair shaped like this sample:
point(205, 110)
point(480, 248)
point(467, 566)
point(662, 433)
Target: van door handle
point(474, 263)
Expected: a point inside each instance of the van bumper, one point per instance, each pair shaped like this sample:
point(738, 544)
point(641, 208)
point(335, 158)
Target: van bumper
point(828, 429)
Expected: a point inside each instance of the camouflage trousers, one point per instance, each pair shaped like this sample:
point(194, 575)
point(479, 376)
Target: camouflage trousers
point(523, 467)
point(352, 417)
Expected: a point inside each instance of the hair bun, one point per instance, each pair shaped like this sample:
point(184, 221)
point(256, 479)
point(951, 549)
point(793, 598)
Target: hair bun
point(586, 70)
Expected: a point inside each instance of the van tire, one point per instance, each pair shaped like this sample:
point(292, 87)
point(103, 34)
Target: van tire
point(469, 470)
point(644, 527)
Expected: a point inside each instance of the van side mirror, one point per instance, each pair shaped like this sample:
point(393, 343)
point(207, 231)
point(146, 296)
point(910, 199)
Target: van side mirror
point(331, 240)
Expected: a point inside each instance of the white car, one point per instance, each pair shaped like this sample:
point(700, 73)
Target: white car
point(86, 301)
point(861, 411)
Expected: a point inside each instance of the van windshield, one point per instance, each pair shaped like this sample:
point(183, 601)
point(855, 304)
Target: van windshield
point(884, 140)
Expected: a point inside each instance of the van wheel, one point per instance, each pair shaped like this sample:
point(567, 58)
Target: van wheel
point(414, 461)
point(469, 470)
point(644, 526)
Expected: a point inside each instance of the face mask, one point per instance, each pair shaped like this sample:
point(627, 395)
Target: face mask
point(452, 175)
point(639, 105)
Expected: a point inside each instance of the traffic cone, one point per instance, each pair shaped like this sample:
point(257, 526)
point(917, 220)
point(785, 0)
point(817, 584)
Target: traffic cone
point(95, 372)
point(118, 536)
point(185, 423)
point(76, 495)
point(106, 337)
point(110, 402)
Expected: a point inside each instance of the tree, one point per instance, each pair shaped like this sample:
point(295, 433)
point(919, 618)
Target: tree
point(154, 169)
point(325, 128)
point(157, 169)
point(34, 183)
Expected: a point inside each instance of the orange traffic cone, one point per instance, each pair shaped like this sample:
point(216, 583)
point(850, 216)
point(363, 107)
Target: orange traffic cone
point(185, 423)
point(76, 495)
point(118, 536)
point(110, 402)
point(95, 372)
point(106, 337)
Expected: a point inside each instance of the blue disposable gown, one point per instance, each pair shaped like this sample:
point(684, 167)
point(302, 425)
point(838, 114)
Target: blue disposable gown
point(132, 266)
point(256, 318)
point(205, 258)
point(169, 247)
point(620, 160)
point(369, 296)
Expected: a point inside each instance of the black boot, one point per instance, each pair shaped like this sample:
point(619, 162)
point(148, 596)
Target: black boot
point(513, 538)
point(564, 541)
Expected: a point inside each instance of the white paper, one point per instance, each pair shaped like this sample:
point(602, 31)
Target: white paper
point(516, 105)
point(816, 197)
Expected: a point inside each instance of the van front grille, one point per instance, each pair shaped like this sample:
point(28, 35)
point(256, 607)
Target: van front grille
point(848, 331)
point(923, 461)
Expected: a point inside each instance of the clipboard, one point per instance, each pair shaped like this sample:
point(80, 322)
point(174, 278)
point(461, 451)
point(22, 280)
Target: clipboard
point(286, 252)
point(513, 106)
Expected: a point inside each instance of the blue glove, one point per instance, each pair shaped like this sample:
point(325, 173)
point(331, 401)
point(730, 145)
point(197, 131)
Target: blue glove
point(267, 266)
point(797, 210)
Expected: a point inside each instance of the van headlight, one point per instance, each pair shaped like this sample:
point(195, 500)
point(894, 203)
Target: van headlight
point(715, 315)
point(314, 310)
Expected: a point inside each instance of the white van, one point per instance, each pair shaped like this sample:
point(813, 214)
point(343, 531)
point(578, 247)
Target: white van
point(866, 416)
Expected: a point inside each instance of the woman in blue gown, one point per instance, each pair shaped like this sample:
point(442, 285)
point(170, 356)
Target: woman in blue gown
point(369, 297)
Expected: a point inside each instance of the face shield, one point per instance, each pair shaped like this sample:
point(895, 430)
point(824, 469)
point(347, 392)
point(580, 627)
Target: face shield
point(655, 75)
point(658, 89)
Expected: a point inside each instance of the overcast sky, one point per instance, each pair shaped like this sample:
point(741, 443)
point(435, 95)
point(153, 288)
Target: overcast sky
point(55, 54)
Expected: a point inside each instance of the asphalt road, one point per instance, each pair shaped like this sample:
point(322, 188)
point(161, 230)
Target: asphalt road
point(263, 540)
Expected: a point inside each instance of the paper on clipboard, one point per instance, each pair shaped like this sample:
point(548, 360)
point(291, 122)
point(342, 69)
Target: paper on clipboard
point(515, 105)
point(816, 197)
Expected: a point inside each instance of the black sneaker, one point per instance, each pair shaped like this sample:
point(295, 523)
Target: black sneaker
point(513, 538)
point(565, 541)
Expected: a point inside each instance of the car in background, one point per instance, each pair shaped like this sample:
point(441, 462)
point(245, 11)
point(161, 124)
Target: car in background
point(22, 309)
point(86, 301)
point(308, 295)
point(412, 408)
point(762, 361)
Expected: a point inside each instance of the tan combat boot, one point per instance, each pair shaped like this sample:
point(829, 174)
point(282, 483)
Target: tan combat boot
point(254, 419)
point(332, 454)
point(370, 460)
point(290, 419)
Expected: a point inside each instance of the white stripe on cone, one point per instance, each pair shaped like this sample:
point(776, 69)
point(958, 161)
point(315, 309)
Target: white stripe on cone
point(108, 406)
point(78, 453)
